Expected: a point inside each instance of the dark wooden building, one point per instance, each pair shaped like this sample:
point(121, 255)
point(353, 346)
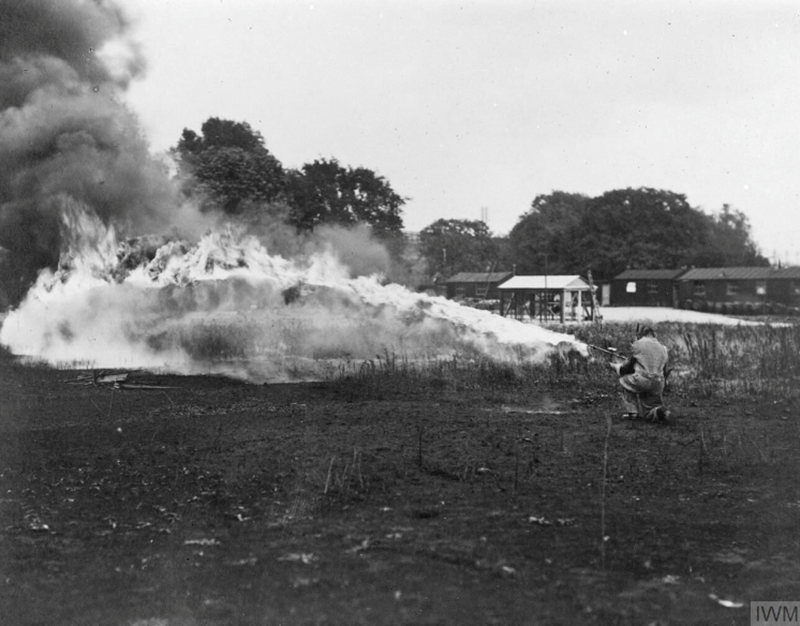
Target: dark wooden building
point(783, 287)
point(475, 285)
point(712, 288)
point(645, 288)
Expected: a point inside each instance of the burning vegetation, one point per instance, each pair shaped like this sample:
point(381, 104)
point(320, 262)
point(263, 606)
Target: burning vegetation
point(81, 199)
point(225, 304)
point(66, 137)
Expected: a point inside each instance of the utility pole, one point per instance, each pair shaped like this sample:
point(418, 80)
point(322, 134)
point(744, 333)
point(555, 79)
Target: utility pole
point(597, 315)
point(546, 292)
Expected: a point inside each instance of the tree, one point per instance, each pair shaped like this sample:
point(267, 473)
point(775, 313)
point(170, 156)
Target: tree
point(627, 228)
point(218, 133)
point(546, 237)
point(230, 165)
point(452, 246)
point(325, 192)
point(640, 228)
point(730, 241)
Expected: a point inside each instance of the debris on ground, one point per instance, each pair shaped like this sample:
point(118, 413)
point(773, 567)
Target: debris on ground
point(119, 380)
point(541, 520)
point(729, 604)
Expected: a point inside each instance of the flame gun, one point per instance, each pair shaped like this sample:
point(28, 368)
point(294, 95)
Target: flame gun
point(610, 352)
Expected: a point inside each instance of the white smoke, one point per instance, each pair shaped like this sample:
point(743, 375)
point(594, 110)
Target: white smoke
point(80, 196)
point(67, 137)
point(225, 304)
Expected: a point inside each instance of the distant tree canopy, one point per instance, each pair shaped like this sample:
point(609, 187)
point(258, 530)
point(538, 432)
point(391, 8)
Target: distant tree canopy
point(544, 238)
point(731, 242)
point(640, 228)
point(452, 246)
point(627, 228)
point(325, 192)
point(229, 164)
point(219, 133)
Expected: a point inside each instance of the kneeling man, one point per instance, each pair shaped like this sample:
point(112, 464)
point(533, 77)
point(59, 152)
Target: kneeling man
point(643, 376)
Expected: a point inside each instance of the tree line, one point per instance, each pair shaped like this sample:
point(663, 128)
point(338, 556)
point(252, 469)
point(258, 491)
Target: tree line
point(228, 166)
point(561, 232)
point(570, 233)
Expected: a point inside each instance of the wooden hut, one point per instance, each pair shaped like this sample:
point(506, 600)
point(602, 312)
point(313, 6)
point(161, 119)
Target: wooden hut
point(645, 288)
point(783, 288)
point(475, 285)
point(547, 298)
point(725, 289)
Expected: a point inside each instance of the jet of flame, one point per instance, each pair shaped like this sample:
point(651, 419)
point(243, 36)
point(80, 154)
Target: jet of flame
point(226, 305)
point(79, 193)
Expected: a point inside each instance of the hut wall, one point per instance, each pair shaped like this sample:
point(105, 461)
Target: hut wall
point(648, 293)
point(785, 291)
point(712, 293)
point(473, 290)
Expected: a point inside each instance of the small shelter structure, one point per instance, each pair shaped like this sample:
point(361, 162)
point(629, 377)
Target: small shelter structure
point(645, 288)
point(547, 298)
point(475, 285)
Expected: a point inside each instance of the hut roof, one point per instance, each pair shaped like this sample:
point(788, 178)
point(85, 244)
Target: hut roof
point(534, 283)
point(787, 272)
point(728, 273)
point(649, 275)
point(478, 277)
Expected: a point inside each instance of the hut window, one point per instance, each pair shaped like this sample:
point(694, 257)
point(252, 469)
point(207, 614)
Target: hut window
point(796, 287)
point(733, 289)
point(461, 291)
point(761, 287)
point(652, 288)
point(699, 288)
point(630, 287)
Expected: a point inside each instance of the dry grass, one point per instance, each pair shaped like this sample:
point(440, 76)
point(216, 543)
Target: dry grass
point(502, 476)
point(729, 361)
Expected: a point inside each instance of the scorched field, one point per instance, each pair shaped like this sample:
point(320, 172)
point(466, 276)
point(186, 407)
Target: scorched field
point(449, 492)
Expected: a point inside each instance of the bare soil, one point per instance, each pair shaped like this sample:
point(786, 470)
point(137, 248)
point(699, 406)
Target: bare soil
point(388, 502)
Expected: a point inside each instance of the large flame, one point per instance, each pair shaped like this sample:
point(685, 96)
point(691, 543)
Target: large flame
point(79, 191)
point(225, 304)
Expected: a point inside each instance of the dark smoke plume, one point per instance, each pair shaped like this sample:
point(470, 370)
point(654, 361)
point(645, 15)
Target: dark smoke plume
point(65, 136)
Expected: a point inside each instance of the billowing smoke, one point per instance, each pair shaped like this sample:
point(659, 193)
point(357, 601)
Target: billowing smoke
point(80, 197)
point(225, 304)
point(354, 247)
point(65, 135)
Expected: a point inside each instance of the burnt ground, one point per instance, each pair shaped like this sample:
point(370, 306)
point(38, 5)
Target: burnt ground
point(388, 502)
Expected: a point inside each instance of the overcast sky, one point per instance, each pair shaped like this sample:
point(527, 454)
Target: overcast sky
point(464, 105)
